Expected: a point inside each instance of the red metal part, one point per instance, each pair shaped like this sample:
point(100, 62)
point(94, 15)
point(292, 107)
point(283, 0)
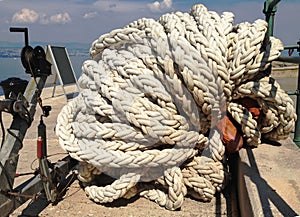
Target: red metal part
point(40, 148)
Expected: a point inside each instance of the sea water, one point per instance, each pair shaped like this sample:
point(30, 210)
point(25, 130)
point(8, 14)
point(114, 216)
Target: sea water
point(12, 67)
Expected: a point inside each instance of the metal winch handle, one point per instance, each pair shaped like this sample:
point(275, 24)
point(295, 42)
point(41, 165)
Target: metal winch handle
point(18, 29)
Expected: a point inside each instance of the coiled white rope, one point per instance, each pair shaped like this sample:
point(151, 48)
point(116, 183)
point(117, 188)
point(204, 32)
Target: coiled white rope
point(151, 98)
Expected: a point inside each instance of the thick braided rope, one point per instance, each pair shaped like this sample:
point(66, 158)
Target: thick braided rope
point(277, 106)
point(248, 124)
point(173, 181)
point(152, 95)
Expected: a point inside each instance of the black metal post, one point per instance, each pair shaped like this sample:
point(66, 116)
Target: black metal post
point(297, 127)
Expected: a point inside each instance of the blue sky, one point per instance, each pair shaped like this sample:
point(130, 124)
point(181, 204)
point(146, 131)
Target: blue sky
point(84, 20)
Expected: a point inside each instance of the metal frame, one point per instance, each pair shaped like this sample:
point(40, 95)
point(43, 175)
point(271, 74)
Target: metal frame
point(12, 144)
point(297, 92)
point(57, 72)
point(270, 7)
point(11, 198)
point(9, 153)
point(49, 177)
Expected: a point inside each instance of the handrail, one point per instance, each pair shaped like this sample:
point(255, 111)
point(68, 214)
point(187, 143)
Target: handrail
point(289, 59)
point(287, 47)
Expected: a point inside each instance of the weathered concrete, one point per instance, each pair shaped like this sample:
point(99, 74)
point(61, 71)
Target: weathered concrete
point(272, 179)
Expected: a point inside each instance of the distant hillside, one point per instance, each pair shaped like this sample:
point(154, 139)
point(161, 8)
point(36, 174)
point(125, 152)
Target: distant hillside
point(12, 50)
point(8, 44)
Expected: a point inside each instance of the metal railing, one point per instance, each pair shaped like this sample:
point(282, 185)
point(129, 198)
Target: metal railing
point(270, 8)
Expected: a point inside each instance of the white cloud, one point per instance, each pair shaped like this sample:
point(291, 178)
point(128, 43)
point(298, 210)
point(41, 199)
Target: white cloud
point(160, 6)
point(30, 16)
point(25, 16)
point(90, 15)
point(61, 18)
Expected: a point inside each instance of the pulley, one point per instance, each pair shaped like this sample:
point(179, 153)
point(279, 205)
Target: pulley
point(33, 59)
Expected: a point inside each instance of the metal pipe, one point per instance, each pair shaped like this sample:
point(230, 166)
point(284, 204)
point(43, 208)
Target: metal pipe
point(286, 47)
point(273, 4)
point(289, 59)
point(269, 10)
point(297, 125)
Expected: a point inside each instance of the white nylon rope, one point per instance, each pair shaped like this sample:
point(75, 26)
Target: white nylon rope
point(279, 118)
point(152, 94)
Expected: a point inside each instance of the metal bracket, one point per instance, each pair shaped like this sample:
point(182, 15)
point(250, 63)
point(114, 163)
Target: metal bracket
point(11, 200)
